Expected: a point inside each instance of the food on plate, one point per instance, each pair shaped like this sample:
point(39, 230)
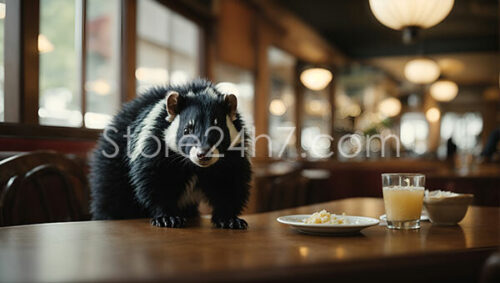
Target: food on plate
point(325, 217)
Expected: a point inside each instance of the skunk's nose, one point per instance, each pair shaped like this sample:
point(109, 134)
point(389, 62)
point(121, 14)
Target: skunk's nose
point(202, 153)
point(203, 156)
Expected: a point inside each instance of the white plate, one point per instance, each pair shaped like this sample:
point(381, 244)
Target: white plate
point(356, 224)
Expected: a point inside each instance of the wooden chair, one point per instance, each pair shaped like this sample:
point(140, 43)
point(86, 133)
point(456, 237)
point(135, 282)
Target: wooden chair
point(40, 187)
point(288, 191)
point(278, 186)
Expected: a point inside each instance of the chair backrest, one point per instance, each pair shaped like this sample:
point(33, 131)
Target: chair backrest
point(40, 187)
point(279, 187)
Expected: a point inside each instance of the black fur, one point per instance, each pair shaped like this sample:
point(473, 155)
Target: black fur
point(152, 187)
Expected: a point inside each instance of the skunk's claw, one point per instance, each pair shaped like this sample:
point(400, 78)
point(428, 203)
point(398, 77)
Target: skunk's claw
point(169, 221)
point(230, 223)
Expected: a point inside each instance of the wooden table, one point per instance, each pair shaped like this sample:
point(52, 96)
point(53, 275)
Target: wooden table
point(133, 250)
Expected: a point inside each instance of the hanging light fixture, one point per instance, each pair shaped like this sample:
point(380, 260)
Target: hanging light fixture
point(277, 107)
point(433, 114)
point(444, 90)
point(422, 71)
point(316, 78)
point(410, 15)
point(390, 107)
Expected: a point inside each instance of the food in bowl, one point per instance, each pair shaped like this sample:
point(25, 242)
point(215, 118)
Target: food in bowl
point(446, 208)
point(325, 217)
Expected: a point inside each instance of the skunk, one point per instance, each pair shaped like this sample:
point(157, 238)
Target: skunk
point(165, 151)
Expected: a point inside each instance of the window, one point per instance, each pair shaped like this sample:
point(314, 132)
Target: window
point(82, 71)
point(167, 48)
point(102, 62)
point(240, 82)
point(316, 121)
point(2, 70)
point(59, 100)
point(463, 129)
point(281, 102)
point(414, 132)
point(59, 45)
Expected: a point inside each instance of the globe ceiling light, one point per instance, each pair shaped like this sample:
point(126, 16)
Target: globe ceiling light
point(399, 14)
point(410, 15)
point(277, 107)
point(422, 71)
point(433, 114)
point(316, 78)
point(390, 107)
point(444, 90)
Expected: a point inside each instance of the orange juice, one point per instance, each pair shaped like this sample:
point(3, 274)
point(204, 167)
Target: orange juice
point(403, 203)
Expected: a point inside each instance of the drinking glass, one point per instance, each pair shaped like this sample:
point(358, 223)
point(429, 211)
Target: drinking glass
point(403, 199)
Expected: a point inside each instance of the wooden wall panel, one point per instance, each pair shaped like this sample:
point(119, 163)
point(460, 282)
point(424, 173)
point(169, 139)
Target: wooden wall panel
point(128, 49)
point(262, 90)
point(299, 110)
point(298, 38)
point(235, 33)
point(79, 148)
point(30, 62)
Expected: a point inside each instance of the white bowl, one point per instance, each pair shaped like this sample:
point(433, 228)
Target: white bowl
point(447, 210)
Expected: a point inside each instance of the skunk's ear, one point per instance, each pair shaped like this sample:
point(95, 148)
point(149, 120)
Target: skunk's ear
point(232, 105)
point(172, 101)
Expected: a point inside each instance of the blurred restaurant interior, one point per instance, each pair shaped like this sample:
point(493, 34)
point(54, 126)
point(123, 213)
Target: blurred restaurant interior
point(334, 92)
point(418, 99)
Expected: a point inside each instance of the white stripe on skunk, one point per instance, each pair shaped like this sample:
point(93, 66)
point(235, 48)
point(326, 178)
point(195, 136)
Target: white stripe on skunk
point(171, 134)
point(233, 133)
point(146, 126)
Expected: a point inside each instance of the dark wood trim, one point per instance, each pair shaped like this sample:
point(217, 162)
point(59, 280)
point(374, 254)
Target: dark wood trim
point(207, 52)
point(236, 34)
point(262, 89)
point(12, 146)
point(30, 28)
point(21, 59)
point(12, 61)
point(38, 131)
point(297, 37)
point(81, 50)
point(299, 109)
point(204, 18)
point(332, 89)
point(128, 49)
point(192, 10)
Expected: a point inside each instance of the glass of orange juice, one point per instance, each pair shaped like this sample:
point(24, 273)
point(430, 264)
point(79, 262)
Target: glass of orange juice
point(403, 199)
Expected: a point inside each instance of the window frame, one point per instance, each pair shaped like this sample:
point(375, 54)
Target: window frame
point(205, 21)
point(21, 100)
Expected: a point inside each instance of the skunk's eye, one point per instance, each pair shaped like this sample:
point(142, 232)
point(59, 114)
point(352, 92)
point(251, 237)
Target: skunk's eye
point(189, 129)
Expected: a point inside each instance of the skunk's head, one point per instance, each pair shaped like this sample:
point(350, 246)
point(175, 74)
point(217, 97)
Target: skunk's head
point(201, 124)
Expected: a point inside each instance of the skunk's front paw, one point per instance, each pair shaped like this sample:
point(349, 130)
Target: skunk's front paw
point(169, 221)
point(230, 223)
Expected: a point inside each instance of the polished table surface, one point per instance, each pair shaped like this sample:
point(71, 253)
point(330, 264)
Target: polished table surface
point(133, 250)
